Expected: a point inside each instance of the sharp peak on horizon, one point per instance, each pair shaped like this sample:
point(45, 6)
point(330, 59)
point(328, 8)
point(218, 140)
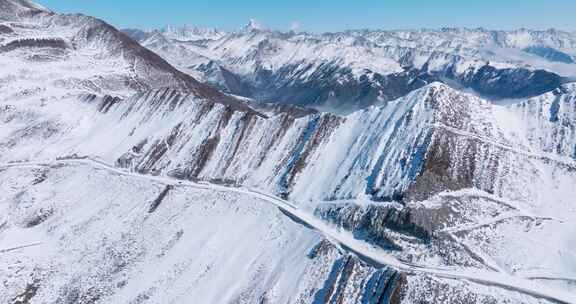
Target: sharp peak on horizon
point(255, 25)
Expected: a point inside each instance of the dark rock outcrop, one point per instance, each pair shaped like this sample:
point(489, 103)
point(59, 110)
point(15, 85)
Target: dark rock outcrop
point(156, 203)
point(497, 83)
point(55, 43)
point(374, 223)
point(28, 294)
point(4, 29)
point(549, 53)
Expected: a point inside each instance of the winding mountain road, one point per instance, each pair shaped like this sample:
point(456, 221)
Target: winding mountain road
point(344, 239)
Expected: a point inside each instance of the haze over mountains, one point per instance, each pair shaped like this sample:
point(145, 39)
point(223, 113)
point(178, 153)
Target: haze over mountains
point(196, 165)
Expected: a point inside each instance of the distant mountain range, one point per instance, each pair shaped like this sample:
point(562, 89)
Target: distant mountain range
point(351, 70)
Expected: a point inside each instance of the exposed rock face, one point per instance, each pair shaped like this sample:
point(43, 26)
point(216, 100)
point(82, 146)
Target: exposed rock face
point(330, 86)
point(434, 140)
point(381, 286)
point(373, 223)
point(509, 83)
point(4, 29)
point(549, 53)
point(156, 203)
point(245, 147)
point(35, 43)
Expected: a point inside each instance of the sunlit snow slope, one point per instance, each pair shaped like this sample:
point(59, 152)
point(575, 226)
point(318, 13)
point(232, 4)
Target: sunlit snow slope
point(438, 179)
point(124, 180)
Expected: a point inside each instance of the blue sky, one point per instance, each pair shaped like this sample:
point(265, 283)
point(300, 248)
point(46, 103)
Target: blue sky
point(329, 15)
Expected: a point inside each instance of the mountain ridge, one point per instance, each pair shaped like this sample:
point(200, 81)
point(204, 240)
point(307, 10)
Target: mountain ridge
point(91, 39)
point(13, 9)
point(346, 71)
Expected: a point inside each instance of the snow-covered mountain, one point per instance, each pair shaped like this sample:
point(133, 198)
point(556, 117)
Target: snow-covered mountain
point(191, 33)
point(124, 180)
point(15, 9)
point(444, 184)
point(351, 70)
point(49, 55)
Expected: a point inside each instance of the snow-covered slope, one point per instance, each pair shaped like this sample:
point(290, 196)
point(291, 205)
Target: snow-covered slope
point(154, 240)
point(14, 9)
point(350, 70)
point(549, 120)
point(149, 241)
point(380, 151)
point(123, 180)
point(438, 179)
point(45, 55)
point(166, 131)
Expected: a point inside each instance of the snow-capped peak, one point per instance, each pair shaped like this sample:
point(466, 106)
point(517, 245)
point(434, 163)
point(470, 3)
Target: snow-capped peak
point(253, 25)
point(189, 33)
